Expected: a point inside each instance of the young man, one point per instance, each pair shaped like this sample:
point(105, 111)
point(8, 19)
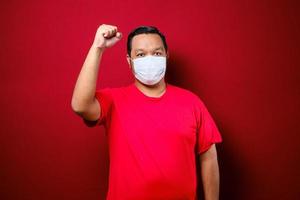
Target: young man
point(154, 129)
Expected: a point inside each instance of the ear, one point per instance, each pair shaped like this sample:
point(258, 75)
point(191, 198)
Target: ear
point(167, 54)
point(128, 60)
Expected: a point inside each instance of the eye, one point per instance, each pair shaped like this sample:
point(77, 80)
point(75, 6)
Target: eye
point(140, 55)
point(158, 53)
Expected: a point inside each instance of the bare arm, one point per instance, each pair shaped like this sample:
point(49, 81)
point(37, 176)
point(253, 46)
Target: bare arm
point(84, 102)
point(210, 173)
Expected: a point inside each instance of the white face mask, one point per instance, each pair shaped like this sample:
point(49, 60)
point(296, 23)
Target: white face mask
point(149, 69)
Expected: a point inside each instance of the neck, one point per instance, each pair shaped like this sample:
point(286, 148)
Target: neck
point(156, 90)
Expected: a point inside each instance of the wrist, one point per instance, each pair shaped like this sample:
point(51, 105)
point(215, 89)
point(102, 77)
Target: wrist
point(97, 49)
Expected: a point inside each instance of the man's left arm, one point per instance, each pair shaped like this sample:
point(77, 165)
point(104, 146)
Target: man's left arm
point(210, 173)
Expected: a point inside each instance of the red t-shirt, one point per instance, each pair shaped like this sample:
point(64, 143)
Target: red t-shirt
point(153, 142)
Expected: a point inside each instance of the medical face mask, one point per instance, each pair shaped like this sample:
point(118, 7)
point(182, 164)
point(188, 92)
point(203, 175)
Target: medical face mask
point(149, 69)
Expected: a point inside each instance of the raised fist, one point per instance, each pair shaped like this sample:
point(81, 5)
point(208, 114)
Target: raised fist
point(106, 36)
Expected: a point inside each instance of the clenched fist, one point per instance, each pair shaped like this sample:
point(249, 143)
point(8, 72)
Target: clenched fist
point(106, 36)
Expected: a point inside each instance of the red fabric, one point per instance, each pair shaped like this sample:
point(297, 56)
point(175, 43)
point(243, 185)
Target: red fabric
point(153, 141)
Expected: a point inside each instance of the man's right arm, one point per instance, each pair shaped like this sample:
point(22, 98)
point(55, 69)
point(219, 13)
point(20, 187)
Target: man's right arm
point(84, 102)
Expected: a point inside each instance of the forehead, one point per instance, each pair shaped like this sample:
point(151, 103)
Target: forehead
point(147, 41)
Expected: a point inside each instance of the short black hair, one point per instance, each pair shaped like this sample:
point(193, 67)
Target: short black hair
point(144, 30)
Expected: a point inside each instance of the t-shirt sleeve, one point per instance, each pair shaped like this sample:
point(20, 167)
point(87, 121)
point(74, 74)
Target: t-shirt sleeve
point(207, 131)
point(104, 97)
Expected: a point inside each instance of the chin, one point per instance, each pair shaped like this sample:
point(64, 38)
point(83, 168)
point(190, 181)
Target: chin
point(151, 86)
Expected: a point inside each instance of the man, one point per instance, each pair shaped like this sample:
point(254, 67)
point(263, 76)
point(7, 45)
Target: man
point(154, 129)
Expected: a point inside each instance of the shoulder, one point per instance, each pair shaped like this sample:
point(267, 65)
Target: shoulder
point(109, 89)
point(185, 94)
point(112, 91)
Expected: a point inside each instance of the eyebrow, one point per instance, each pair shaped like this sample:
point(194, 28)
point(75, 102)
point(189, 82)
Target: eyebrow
point(158, 48)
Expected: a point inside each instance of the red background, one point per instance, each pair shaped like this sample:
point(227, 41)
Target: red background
point(240, 57)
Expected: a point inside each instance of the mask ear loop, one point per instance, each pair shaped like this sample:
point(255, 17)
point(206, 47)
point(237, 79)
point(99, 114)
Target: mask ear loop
point(131, 64)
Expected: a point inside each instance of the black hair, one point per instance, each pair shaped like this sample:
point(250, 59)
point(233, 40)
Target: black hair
point(144, 30)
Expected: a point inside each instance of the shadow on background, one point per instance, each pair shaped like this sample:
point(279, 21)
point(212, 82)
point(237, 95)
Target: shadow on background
point(231, 170)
